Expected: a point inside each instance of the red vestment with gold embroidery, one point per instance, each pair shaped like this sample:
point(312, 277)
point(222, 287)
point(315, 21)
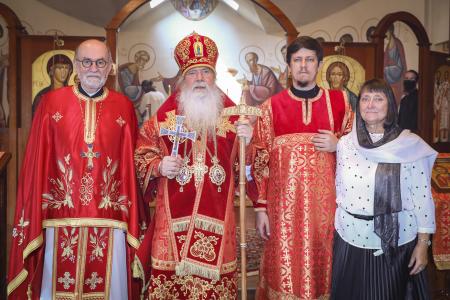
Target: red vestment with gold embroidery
point(82, 190)
point(189, 250)
point(296, 188)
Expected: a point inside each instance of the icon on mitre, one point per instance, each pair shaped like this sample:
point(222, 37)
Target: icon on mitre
point(198, 48)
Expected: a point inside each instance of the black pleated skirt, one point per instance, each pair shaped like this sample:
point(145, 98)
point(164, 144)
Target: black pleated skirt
point(359, 275)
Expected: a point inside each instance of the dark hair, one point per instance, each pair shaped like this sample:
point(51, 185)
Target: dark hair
point(345, 71)
point(306, 42)
point(252, 54)
point(147, 86)
point(391, 28)
point(381, 86)
point(59, 59)
point(415, 74)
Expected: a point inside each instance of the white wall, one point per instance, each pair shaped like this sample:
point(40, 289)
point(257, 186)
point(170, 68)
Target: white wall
point(41, 19)
point(163, 27)
point(359, 16)
point(437, 21)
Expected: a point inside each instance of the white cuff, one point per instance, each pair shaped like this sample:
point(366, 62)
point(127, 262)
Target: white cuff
point(426, 230)
point(248, 173)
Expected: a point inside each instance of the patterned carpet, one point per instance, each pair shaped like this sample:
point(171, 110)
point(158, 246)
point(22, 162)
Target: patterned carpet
point(255, 246)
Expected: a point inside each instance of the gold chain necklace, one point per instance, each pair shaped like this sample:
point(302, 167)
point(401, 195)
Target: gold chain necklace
point(216, 174)
point(90, 127)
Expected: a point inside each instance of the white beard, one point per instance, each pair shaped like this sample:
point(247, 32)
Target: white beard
point(202, 108)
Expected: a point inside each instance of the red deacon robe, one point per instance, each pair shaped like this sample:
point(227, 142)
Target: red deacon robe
point(83, 199)
point(296, 188)
point(189, 249)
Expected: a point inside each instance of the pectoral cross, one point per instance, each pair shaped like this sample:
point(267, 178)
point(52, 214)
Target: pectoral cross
point(177, 134)
point(199, 169)
point(90, 155)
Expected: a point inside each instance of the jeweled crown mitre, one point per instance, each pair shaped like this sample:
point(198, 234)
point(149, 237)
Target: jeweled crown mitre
point(196, 50)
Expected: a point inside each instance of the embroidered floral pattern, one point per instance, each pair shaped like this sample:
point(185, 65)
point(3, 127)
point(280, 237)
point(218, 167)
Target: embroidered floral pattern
point(203, 247)
point(194, 287)
point(110, 189)
point(191, 288)
point(69, 241)
point(181, 240)
point(66, 280)
point(226, 289)
point(161, 288)
point(86, 188)
point(261, 169)
point(147, 152)
point(19, 230)
point(93, 281)
point(97, 242)
point(183, 50)
point(211, 48)
point(61, 193)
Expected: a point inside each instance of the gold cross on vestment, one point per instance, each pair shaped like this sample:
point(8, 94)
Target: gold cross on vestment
point(199, 169)
point(90, 155)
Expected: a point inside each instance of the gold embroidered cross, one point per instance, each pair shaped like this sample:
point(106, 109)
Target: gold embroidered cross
point(199, 169)
point(90, 155)
point(66, 280)
point(57, 116)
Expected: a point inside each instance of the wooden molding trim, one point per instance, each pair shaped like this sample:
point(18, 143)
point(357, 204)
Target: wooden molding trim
point(423, 42)
point(280, 17)
point(407, 18)
point(15, 30)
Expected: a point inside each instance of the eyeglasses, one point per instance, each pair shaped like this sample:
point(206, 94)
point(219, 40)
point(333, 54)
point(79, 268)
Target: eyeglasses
point(87, 63)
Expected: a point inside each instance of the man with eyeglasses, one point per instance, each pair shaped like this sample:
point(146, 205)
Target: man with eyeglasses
point(76, 221)
point(189, 250)
point(294, 166)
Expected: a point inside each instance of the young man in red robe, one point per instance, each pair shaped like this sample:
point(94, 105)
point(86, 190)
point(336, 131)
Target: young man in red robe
point(76, 221)
point(294, 169)
point(189, 250)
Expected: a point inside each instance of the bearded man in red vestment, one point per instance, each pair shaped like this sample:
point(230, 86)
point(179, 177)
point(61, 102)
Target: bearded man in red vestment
point(294, 168)
point(189, 249)
point(76, 221)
